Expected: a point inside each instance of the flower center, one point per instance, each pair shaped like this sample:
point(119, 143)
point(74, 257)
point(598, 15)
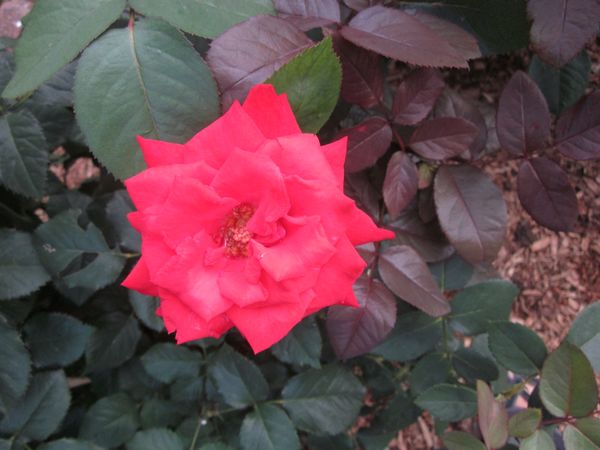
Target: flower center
point(233, 234)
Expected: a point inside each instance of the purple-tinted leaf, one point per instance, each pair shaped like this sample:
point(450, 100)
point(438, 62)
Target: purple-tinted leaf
point(407, 276)
point(416, 96)
point(426, 205)
point(367, 142)
point(561, 28)
point(354, 331)
point(367, 252)
point(400, 183)
point(546, 194)
point(523, 120)
point(471, 211)
point(493, 417)
point(307, 14)
point(362, 80)
point(398, 35)
point(443, 138)
point(250, 52)
point(451, 104)
point(358, 186)
point(578, 129)
point(359, 5)
point(426, 238)
point(454, 35)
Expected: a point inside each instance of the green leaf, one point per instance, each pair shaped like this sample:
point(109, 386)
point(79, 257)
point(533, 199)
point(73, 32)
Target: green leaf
point(459, 440)
point(492, 417)
point(39, 413)
point(399, 413)
point(337, 442)
point(562, 86)
point(155, 439)
point(585, 435)
point(216, 446)
point(474, 307)
point(323, 401)
point(61, 241)
point(21, 271)
point(516, 347)
point(143, 80)
point(111, 345)
point(452, 273)
point(238, 379)
point(268, 428)
point(117, 209)
point(186, 389)
point(540, 440)
point(145, 310)
point(166, 362)
point(23, 154)
point(302, 346)
point(312, 82)
point(111, 421)
point(7, 67)
point(567, 384)
point(207, 18)
point(472, 365)
point(54, 33)
point(585, 333)
point(158, 412)
point(525, 422)
point(68, 444)
point(432, 369)
point(55, 339)
point(414, 334)
point(15, 367)
point(448, 402)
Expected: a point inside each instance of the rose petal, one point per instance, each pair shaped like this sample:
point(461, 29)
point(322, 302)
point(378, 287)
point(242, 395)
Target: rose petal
point(272, 113)
point(335, 153)
point(156, 253)
point(362, 229)
point(160, 153)
point(239, 281)
point(139, 279)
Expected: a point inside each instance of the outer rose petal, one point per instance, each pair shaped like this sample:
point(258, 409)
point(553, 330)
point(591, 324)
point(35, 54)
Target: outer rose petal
point(139, 279)
point(161, 153)
point(186, 323)
point(156, 253)
point(336, 155)
point(239, 281)
point(362, 229)
point(271, 112)
point(235, 129)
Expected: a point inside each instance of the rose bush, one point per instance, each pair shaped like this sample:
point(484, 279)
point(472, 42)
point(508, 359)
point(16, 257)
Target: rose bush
point(246, 225)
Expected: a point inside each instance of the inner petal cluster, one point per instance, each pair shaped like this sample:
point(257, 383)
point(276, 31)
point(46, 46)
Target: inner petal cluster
point(233, 234)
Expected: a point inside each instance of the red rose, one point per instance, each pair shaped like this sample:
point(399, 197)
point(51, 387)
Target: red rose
point(246, 225)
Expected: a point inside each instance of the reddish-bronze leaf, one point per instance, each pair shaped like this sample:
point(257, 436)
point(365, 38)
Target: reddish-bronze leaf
point(398, 35)
point(443, 138)
point(416, 96)
point(523, 120)
point(471, 212)
point(546, 194)
point(400, 183)
point(354, 331)
point(492, 416)
point(561, 28)
point(358, 186)
point(307, 14)
point(250, 52)
point(578, 129)
point(407, 276)
point(362, 80)
point(367, 142)
point(359, 5)
point(451, 104)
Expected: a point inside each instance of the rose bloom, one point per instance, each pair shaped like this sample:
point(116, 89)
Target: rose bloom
point(246, 225)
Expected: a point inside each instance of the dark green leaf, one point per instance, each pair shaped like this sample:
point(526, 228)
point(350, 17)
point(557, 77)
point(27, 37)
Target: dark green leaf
point(238, 380)
point(448, 402)
point(337, 442)
point(585, 333)
point(55, 32)
point(143, 80)
point(301, 346)
point(7, 67)
point(216, 446)
point(187, 389)
point(116, 212)
point(145, 310)
point(312, 82)
point(584, 435)
point(39, 413)
point(203, 17)
point(155, 439)
point(472, 365)
point(567, 384)
point(525, 422)
point(452, 273)
point(68, 444)
point(20, 269)
point(414, 334)
point(492, 417)
point(268, 428)
point(323, 401)
point(55, 339)
point(516, 347)
point(459, 440)
point(474, 307)
point(157, 412)
point(432, 369)
point(23, 154)
point(398, 414)
point(540, 440)
point(111, 421)
point(166, 362)
point(15, 367)
point(112, 344)
point(562, 86)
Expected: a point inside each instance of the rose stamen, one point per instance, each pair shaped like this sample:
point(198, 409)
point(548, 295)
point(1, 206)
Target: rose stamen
point(233, 234)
